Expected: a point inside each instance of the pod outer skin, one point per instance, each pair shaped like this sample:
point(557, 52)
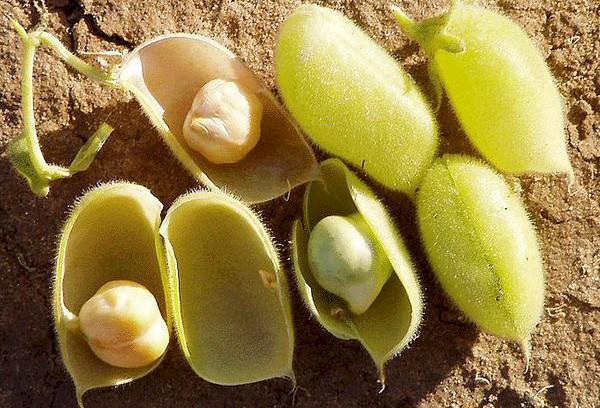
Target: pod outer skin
point(353, 99)
point(503, 93)
point(482, 246)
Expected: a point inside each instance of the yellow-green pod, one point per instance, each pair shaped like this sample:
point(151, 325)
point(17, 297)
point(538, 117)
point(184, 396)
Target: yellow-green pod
point(111, 234)
point(392, 320)
point(499, 86)
point(482, 246)
point(230, 296)
point(353, 99)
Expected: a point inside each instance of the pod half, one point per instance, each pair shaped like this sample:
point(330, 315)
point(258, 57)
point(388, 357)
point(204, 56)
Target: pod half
point(230, 297)
point(112, 234)
point(165, 73)
point(393, 319)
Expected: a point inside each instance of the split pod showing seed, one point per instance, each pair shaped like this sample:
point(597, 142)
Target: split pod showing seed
point(353, 99)
point(216, 116)
point(482, 247)
point(110, 291)
point(231, 300)
point(499, 85)
point(353, 270)
point(214, 272)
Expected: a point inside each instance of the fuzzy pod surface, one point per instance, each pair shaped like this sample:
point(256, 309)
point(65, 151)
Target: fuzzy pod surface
point(391, 322)
point(111, 234)
point(210, 265)
point(353, 99)
point(230, 298)
point(499, 85)
point(482, 246)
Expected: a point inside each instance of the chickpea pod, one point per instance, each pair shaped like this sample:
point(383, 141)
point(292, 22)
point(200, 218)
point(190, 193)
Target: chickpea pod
point(347, 260)
point(374, 296)
point(209, 268)
point(258, 154)
point(482, 247)
point(499, 85)
point(353, 99)
point(231, 299)
point(123, 325)
point(223, 123)
point(111, 298)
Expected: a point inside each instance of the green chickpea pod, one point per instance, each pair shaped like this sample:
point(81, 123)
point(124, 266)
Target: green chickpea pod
point(347, 260)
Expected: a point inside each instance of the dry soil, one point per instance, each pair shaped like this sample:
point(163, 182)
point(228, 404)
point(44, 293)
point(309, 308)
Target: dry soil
point(450, 364)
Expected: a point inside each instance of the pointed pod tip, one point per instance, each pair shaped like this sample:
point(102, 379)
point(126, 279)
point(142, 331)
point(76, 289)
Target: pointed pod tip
point(292, 377)
point(79, 395)
point(381, 379)
point(525, 346)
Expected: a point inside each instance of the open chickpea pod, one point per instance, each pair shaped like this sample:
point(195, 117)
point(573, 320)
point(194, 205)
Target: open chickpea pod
point(232, 310)
point(216, 116)
point(353, 270)
point(211, 269)
point(271, 156)
point(110, 236)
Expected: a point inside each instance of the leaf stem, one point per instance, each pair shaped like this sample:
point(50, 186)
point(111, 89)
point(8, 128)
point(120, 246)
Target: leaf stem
point(79, 65)
point(29, 132)
point(407, 23)
point(25, 152)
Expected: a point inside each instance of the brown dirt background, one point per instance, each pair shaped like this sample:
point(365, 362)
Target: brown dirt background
point(450, 364)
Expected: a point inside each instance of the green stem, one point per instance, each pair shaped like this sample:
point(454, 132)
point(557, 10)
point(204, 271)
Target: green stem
point(448, 42)
point(430, 33)
point(406, 23)
point(79, 65)
point(29, 132)
point(25, 152)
